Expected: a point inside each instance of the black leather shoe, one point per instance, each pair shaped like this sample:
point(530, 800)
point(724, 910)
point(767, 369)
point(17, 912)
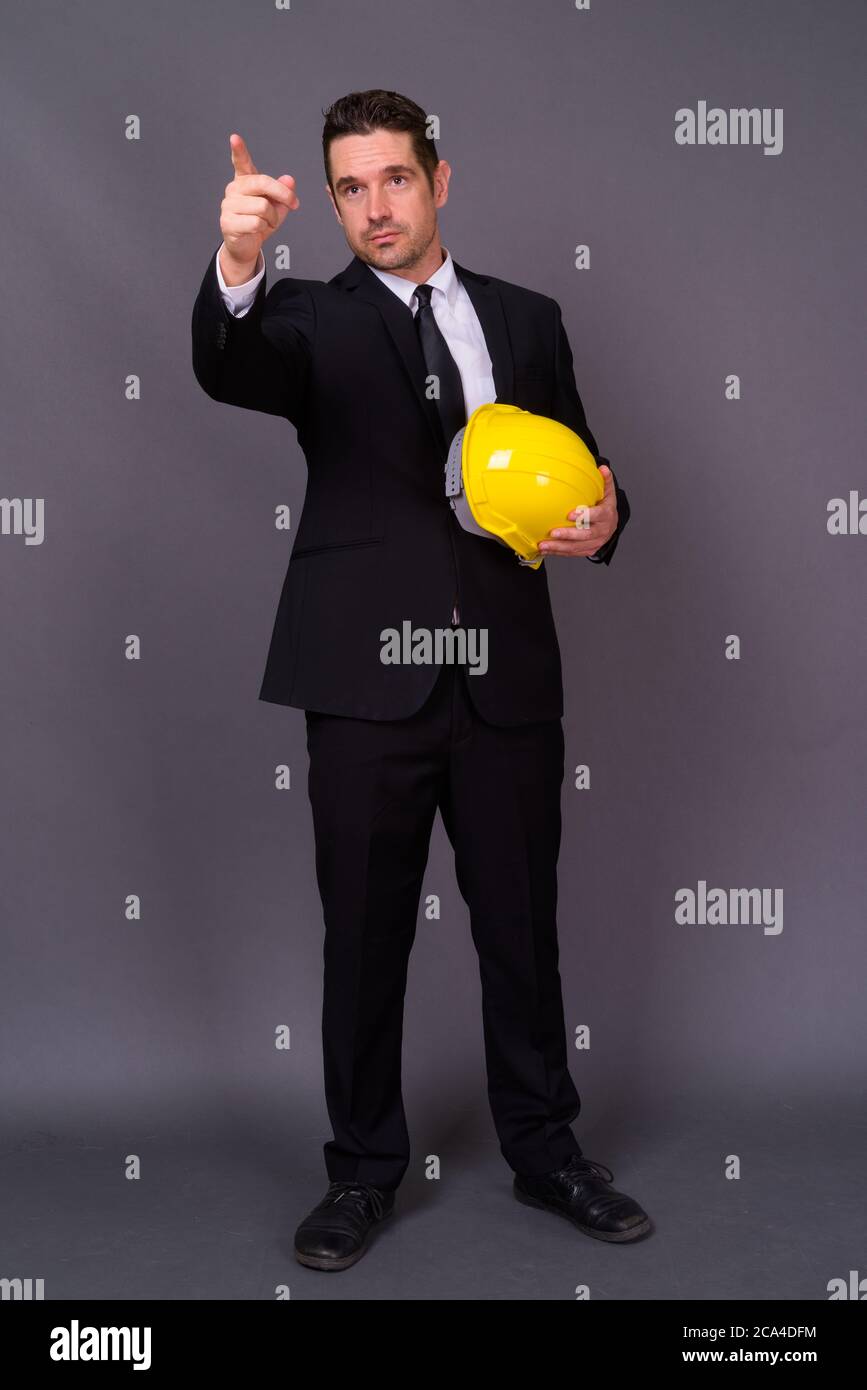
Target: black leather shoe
point(336, 1232)
point(580, 1192)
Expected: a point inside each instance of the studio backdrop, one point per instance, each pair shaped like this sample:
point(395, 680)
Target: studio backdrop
point(686, 181)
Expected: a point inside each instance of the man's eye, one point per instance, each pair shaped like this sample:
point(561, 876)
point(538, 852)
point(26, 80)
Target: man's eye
point(397, 176)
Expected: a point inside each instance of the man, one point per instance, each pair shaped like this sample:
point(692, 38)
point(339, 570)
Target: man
point(377, 369)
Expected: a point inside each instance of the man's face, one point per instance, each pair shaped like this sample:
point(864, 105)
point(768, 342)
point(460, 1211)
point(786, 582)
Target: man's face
point(380, 187)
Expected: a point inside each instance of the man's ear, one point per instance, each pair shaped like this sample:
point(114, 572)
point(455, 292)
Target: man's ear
point(442, 174)
point(333, 204)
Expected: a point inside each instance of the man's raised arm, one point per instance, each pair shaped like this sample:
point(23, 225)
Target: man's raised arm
point(251, 347)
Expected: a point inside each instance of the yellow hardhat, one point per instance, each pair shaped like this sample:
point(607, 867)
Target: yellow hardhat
point(515, 476)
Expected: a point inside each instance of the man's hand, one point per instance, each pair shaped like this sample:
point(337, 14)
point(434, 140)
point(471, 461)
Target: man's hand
point(593, 525)
point(252, 210)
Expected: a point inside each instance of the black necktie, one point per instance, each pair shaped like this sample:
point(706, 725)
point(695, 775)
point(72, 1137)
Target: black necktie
point(441, 365)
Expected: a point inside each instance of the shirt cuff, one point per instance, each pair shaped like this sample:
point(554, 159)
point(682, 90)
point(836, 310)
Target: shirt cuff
point(238, 298)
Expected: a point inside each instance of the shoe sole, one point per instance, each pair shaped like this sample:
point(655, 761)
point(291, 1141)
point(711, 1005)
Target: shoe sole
point(619, 1237)
point(322, 1262)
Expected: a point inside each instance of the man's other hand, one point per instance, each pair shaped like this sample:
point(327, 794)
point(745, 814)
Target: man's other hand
point(593, 525)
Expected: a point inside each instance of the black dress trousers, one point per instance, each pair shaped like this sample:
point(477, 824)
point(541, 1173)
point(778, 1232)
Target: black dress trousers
point(374, 789)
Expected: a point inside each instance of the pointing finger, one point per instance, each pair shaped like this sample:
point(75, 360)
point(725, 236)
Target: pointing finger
point(242, 162)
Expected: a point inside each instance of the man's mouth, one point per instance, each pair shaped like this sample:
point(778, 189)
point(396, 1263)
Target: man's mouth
point(384, 236)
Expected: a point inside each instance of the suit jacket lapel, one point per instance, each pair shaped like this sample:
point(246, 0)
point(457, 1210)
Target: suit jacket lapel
point(358, 278)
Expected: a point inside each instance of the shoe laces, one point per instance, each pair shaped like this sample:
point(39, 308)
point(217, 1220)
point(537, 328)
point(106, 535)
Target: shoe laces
point(364, 1192)
point(580, 1167)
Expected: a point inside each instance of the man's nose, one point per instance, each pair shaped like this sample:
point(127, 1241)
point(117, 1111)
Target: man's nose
point(378, 210)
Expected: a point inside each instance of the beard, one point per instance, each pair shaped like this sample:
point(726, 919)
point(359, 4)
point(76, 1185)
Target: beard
point(409, 247)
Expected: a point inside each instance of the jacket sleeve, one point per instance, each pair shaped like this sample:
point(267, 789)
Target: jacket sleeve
point(569, 411)
point(260, 360)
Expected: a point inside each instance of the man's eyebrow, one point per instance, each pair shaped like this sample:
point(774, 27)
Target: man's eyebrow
point(348, 180)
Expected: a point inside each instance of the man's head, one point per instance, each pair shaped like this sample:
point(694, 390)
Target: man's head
point(384, 176)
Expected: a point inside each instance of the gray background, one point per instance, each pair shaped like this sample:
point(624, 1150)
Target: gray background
point(156, 777)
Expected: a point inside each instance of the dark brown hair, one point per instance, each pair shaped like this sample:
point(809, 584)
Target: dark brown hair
point(360, 113)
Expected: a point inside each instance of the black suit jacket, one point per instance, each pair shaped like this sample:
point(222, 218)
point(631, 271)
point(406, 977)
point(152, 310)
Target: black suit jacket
point(377, 542)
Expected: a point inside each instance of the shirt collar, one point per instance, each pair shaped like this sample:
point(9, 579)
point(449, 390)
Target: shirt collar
point(444, 278)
